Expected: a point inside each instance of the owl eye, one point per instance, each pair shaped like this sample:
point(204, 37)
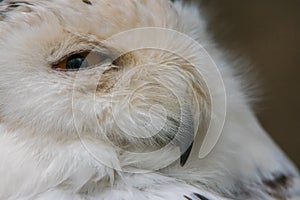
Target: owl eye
point(76, 62)
point(79, 61)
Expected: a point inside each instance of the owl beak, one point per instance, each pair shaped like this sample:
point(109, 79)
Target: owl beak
point(185, 154)
point(185, 138)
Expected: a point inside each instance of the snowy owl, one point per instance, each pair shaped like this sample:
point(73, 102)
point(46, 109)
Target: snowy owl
point(131, 99)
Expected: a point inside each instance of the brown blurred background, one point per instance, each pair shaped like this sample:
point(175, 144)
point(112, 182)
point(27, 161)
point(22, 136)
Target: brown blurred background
point(267, 34)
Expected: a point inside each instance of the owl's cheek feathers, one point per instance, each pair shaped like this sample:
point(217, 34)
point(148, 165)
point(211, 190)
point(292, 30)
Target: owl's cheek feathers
point(144, 110)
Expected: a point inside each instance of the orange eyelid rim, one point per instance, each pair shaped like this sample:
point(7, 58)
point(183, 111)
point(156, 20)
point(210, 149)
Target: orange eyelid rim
point(92, 58)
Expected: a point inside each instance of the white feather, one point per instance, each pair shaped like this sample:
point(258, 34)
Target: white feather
point(66, 135)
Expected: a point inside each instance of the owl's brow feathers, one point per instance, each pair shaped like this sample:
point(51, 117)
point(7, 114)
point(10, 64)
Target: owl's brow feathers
point(10, 6)
point(21, 6)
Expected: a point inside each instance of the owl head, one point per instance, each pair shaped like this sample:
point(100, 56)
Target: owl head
point(125, 75)
point(90, 89)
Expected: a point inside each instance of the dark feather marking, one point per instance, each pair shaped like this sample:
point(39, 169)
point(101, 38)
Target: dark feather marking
point(87, 2)
point(278, 186)
point(280, 181)
point(15, 3)
point(186, 197)
point(200, 196)
point(21, 6)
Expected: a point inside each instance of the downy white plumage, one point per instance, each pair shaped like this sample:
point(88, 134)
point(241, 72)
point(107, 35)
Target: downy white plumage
point(69, 133)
